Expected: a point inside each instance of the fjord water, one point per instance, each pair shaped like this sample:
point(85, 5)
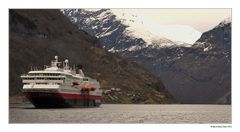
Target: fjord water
point(123, 113)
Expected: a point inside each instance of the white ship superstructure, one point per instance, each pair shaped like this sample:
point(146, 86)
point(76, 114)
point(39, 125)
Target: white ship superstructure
point(59, 85)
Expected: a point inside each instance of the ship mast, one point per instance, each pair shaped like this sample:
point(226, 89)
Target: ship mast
point(66, 65)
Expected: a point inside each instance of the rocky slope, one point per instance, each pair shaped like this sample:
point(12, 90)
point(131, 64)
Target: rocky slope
point(178, 64)
point(203, 73)
point(37, 35)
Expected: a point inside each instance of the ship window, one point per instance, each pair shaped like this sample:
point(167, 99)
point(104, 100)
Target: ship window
point(85, 79)
point(29, 78)
point(55, 78)
point(52, 74)
point(41, 83)
point(34, 74)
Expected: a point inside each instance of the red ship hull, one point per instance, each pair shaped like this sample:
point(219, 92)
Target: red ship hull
point(62, 100)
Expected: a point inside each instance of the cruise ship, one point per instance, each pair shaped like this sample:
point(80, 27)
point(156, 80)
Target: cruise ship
point(60, 86)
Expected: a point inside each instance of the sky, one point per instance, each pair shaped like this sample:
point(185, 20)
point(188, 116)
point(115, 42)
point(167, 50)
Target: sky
point(200, 19)
point(183, 25)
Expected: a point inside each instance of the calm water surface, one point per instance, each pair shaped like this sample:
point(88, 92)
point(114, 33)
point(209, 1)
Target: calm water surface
point(123, 113)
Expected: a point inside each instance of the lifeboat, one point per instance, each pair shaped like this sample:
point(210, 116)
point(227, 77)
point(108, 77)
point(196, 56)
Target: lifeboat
point(88, 88)
point(75, 83)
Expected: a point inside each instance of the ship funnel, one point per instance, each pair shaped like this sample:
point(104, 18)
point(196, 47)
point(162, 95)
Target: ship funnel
point(55, 63)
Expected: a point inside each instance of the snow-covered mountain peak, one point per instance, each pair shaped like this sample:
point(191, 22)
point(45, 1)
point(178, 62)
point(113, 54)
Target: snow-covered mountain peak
point(104, 22)
point(176, 33)
point(182, 33)
point(148, 30)
point(224, 22)
point(128, 16)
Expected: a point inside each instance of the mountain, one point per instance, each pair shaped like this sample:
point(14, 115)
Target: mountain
point(188, 70)
point(119, 30)
point(38, 35)
point(203, 73)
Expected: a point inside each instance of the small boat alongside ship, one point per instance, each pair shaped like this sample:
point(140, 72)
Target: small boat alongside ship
point(60, 86)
